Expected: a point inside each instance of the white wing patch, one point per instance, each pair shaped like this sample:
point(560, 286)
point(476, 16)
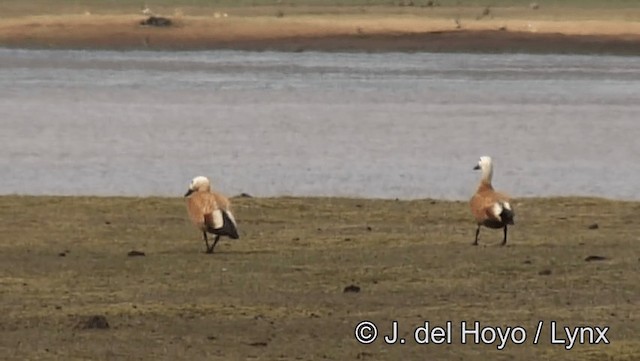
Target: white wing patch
point(506, 205)
point(231, 217)
point(496, 209)
point(217, 219)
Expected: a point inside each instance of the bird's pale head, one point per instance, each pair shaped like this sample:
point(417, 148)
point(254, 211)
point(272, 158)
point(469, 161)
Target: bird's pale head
point(198, 184)
point(484, 163)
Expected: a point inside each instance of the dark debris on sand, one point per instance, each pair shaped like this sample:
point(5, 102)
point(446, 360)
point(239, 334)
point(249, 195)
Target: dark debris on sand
point(156, 21)
point(545, 272)
point(595, 258)
point(93, 322)
point(351, 288)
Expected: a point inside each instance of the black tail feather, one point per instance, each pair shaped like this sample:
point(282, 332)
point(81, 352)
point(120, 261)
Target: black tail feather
point(228, 228)
point(507, 216)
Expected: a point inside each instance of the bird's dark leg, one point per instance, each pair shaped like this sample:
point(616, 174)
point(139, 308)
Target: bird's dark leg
point(215, 241)
point(504, 241)
point(206, 241)
point(475, 243)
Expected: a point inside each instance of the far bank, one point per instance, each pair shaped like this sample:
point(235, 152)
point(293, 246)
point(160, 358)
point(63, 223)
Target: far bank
point(368, 32)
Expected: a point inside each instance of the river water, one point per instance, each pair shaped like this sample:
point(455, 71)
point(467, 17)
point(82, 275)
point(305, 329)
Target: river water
point(391, 125)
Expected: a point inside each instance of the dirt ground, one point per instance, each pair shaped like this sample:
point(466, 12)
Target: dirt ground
point(300, 28)
point(278, 293)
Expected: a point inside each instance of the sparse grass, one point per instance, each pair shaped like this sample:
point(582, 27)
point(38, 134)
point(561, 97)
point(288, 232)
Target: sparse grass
point(276, 294)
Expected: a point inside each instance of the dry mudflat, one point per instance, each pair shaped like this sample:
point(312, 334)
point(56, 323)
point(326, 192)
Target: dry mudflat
point(71, 290)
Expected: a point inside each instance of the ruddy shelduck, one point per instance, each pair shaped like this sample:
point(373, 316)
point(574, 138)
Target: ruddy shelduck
point(490, 208)
point(210, 212)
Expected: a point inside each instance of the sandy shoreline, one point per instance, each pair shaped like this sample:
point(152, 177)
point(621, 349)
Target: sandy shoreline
point(323, 33)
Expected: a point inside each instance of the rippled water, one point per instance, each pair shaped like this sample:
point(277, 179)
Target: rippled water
point(374, 125)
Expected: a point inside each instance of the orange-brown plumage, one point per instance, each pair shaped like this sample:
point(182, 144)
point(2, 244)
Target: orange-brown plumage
point(200, 207)
point(222, 201)
point(210, 212)
point(490, 208)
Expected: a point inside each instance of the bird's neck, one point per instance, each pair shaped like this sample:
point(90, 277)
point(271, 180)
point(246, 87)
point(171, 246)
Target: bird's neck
point(484, 186)
point(487, 175)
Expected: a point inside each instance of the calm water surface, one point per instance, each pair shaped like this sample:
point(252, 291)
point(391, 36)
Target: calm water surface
point(372, 125)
